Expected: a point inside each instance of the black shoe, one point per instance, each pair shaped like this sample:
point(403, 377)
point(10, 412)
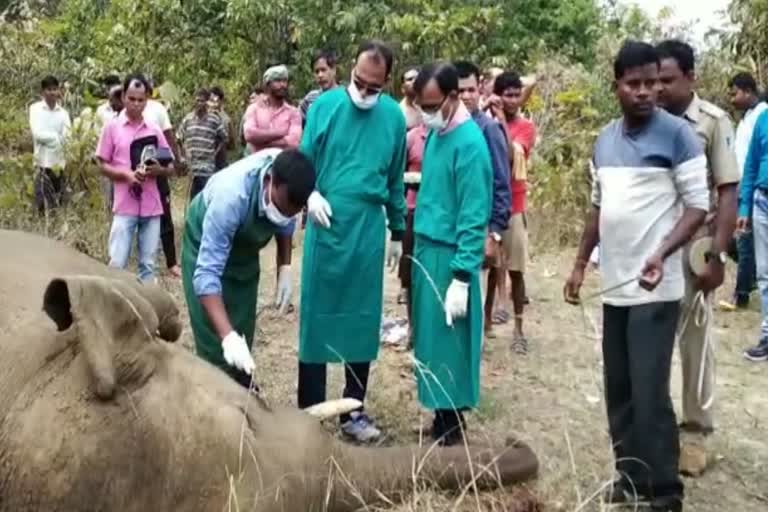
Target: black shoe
point(694, 428)
point(667, 504)
point(758, 353)
point(621, 493)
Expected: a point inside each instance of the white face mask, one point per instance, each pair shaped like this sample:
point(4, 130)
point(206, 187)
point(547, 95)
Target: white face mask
point(434, 121)
point(366, 103)
point(272, 213)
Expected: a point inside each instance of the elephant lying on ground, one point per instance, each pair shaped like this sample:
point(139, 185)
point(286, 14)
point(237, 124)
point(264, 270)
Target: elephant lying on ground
point(98, 413)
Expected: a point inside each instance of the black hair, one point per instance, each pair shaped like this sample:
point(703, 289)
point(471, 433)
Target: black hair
point(378, 50)
point(634, 54)
point(445, 76)
point(204, 93)
point(111, 81)
point(744, 81)
point(681, 52)
point(328, 55)
point(131, 80)
point(217, 91)
point(507, 80)
point(49, 81)
point(466, 69)
point(294, 169)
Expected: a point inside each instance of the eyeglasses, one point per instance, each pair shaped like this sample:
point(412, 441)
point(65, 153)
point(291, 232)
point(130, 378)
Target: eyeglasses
point(429, 109)
point(364, 86)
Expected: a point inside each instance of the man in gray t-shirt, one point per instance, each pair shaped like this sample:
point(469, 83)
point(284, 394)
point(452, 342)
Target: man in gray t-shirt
point(649, 197)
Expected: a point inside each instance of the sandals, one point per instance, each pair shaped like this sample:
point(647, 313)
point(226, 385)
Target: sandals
point(500, 317)
point(519, 344)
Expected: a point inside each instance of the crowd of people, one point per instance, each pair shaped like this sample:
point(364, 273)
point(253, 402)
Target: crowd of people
point(445, 171)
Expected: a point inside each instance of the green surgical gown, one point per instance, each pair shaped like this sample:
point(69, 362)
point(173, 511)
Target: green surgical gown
point(452, 214)
point(359, 158)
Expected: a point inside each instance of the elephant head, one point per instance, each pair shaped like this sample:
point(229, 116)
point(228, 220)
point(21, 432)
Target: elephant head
point(114, 321)
point(118, 419)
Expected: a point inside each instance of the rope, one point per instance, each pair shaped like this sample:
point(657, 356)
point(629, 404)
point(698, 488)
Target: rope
point(700, 310)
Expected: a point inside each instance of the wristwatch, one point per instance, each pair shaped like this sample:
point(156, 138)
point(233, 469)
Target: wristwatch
point(496, 237)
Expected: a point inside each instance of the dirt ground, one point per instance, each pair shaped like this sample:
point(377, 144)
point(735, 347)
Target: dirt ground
point(551, 398)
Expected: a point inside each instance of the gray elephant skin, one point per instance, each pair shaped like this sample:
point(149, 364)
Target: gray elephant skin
point(101, 411)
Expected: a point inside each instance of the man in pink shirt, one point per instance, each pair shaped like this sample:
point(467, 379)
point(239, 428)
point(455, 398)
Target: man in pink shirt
point(272, 122)
point(137, 205)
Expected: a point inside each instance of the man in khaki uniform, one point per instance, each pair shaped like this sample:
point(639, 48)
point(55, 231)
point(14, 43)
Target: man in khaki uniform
point(715, 129)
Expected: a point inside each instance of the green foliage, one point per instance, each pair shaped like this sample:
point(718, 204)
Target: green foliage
point(190, 43)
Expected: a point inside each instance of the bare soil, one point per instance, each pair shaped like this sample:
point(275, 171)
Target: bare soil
point(551, 397)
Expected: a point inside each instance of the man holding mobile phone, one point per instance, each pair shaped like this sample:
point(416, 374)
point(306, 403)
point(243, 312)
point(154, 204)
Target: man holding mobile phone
point(137, 205)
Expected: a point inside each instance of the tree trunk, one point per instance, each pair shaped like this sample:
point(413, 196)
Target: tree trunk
point(364, 476)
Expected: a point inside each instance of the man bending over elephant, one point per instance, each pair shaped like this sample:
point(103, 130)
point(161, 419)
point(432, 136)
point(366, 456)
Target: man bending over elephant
point(238, 212)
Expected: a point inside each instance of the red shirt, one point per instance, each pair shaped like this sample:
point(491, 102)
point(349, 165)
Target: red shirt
point(520, 131)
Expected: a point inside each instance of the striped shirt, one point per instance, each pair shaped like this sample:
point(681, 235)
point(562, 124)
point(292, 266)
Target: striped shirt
point(200, 137)
point(642, 180)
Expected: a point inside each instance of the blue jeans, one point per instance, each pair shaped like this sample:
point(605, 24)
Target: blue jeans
point(121, 241)
point(745, 271)
point(760, 231)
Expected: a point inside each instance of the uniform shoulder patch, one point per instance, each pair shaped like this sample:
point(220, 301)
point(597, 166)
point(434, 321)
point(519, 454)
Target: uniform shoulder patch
point(711, 109)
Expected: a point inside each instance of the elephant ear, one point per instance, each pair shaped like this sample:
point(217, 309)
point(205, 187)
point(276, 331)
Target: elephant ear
point(114, 326)
point(169, 325)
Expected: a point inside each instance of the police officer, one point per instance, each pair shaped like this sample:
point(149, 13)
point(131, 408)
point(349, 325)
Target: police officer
point(715, 129)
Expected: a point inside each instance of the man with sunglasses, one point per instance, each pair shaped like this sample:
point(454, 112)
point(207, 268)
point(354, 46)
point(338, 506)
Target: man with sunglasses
point(454, 205)
point(355, 136)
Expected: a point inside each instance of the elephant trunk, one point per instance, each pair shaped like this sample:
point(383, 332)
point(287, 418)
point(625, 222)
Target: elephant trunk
point(370, 475)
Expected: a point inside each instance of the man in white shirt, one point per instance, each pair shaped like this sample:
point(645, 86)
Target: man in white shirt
point(744, 98)
point(49, 123)
point(110, 108)
point(105, 112)
point(156, 113)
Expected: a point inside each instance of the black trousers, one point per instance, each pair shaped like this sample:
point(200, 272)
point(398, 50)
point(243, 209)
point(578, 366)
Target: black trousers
point(449, 426)
point(638, 342)
point(197, 186)
point(242, 378)
point(49, 189)
point(312, 379)
point(167, 235)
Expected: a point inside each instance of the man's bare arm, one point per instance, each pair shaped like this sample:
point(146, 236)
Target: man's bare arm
point(284, 249)
point(590, 237)
point(686, 227)
point(217, 314)
point(727, 213)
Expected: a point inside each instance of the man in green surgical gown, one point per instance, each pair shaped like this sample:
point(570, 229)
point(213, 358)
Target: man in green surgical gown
point(355, 137)
point(453, 209)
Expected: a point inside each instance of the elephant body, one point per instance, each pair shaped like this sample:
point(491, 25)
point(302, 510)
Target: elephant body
point(100, 411)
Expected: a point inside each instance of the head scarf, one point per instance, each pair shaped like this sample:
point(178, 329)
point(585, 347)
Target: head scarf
point(279, 72)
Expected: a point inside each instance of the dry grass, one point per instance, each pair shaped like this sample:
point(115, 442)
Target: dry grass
point(551, 398)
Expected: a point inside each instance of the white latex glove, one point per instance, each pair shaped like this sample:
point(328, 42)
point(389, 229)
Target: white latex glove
point(237, 353)
point(394, 254)
point(319, 209)
point(412, 177)
point(456, 299)
point(284, 288)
